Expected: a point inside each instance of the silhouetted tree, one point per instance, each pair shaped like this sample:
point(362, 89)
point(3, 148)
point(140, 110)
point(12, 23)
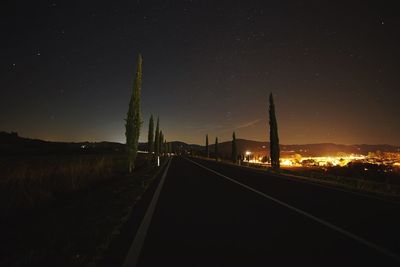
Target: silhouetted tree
point(161, 142)
point(133, 118)
point(157, 138)
point(273, 135)
point(150, 139)
point(216, 148)
point(234, 148)
point(170, 148)
point(207, 150)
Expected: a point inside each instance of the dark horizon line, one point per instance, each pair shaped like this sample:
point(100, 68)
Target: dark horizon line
point(296, 144)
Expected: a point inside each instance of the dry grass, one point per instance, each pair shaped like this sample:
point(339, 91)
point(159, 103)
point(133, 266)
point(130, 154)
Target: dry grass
point(380, 188)
point(78, 229)
point(25, 183)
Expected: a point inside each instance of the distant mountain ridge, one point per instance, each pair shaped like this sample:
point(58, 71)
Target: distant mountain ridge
point(12, 143)
point(319, 149)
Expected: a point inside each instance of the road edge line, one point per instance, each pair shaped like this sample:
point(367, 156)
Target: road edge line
point(317, 182)
point(133, 254)
point(310, 216)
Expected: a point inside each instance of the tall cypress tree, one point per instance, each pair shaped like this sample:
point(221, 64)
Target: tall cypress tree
point(133, 118)
point(169, 148)
point(234, 148)
point(160, 142)
point(150, 139)
point(207, 151)
point(157, 138)
point(216, 148)
point(273, 135)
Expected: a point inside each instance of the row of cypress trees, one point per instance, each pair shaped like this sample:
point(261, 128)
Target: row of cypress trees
point(273, 135)
point(216, 152)
point(156, 142)
point(215, 148)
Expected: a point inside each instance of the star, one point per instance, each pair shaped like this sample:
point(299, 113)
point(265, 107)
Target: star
point(12, 66)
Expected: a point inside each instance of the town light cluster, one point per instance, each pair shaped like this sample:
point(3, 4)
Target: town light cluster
point(321, 161)
point(296, 160)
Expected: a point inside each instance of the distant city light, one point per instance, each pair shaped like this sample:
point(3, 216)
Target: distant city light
point(342, 159)
point(286, 162)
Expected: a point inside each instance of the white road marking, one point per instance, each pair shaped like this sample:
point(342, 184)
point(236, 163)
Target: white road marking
point(132, 257)
point(310, 216)
point(315, 182)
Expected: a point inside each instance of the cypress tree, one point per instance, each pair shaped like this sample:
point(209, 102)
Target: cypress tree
point(150, 139)
point(207, 151)
point(133, 118)
point(216, 148)
point(273, 135)
point(234, 148)
point(157, 138)
point(160, 142)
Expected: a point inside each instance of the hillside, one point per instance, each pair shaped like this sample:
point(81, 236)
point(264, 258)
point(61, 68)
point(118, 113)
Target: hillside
point(12, 143)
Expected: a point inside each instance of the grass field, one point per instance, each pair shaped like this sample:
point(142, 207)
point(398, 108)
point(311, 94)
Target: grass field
point(65, 210)
point(27, 182)
point(378, 183)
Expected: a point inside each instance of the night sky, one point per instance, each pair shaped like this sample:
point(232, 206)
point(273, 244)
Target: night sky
point(67, 69)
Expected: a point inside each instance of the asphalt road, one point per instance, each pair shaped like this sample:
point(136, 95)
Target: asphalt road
point(212, 214)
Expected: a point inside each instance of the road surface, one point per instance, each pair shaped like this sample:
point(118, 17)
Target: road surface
point(213, 214)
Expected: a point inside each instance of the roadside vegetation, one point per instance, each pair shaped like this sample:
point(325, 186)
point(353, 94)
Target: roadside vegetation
point(30, 182)
point(357, 176)
point(74, 228)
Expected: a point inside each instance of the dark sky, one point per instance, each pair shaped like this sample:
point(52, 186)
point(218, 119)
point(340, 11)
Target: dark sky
point(67, 69)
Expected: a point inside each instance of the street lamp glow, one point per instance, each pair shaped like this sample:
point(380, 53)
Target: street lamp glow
point(248, 153)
